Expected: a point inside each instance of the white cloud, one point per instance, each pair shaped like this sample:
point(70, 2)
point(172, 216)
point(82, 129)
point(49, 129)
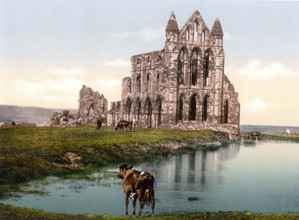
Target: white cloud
point(256, 106)
point(150, 34)
point(146, 34)
point(66, 72)
point(258, 70)
point(117, 63)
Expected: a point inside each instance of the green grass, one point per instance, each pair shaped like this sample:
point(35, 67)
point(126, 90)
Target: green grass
point(31, 153)
point(8, 212)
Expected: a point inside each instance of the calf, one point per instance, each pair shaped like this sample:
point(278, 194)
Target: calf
point(123, 123)
point(139, 185)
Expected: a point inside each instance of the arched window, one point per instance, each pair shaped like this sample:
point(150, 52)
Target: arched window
point(205, 108)
point(147, 85)
point(138, 63)
point(203, 36)
point(158, 82)
point(128, 108)
point(138, 108)
point(159, 109)
point(225, 112)
point(192, 115)
point(194, 69)
point(181, 106)
point(138, 84)
point(187, 35)
point(206, 68)
point(149, 62)
point(181, 68)
point(148, 113)
point(195, 31)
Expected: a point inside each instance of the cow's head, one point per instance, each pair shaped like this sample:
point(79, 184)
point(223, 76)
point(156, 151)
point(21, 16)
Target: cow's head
point(123, 169)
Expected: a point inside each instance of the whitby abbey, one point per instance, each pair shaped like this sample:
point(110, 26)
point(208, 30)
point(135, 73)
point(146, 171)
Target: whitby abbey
point(181, 86)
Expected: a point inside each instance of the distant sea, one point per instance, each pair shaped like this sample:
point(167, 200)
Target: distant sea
point(41, 116)
point(37, 115)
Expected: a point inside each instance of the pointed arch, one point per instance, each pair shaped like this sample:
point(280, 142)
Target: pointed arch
point(194, 66)
point(148, 110)
point(192, 114)
point(195, 31)
point(128, 107)
point(205, 107)
point(187, 35)
point(181, 107)
point(183, 53)
point(138, 83)
point(225, 112)
point(138, 108)
point(159, 110)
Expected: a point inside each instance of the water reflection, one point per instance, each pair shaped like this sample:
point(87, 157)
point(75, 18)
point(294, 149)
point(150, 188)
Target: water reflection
point(259, 177)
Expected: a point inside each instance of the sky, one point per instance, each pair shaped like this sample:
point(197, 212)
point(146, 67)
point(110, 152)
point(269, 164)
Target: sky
point(50, 48)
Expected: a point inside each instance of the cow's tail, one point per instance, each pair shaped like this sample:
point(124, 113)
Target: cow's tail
point(149, 192)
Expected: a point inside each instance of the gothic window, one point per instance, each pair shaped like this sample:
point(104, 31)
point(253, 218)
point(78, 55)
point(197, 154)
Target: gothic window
point(149, 61)
point(192, 115)
point(148, 113)
point(225, 112)
point(159, 109)
point(138, 84)
point(158, 82)
point(194, 67)
point(195, 31)
point(147, 82)
point(205, 108)
point(203, 36)
point(206, 68)
point(181, 106)
point(187, 35)
point(138, 63)
point(128, 107)
point(181, 71)
point(138, 108)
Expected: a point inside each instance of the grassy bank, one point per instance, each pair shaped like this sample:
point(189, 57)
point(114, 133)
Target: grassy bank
point(31, 153)
point(15, 213)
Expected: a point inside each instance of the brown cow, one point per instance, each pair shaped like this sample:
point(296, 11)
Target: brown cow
point(139, 185)
point(124, 124)
point(254, 134)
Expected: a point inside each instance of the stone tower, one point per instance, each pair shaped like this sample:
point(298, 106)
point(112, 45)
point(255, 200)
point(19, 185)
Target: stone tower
point(183, 85)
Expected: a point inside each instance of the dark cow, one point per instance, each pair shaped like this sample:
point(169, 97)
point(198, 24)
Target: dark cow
point(139, 185)
point(254, 134)
point(99, 123)
point(124, 124)
point(16, 123)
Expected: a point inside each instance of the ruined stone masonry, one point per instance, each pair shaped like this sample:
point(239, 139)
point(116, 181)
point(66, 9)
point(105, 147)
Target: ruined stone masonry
point(182, 86)
point(92, 105)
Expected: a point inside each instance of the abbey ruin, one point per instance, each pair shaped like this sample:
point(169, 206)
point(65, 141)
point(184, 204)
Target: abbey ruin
point(182, 86)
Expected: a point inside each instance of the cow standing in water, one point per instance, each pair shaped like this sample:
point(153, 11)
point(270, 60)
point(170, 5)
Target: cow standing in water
point(139, 185)
point(124, 124)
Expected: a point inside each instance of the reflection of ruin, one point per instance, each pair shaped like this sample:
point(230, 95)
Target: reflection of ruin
point(201, 167)
point(91, 105)
point(183, 85)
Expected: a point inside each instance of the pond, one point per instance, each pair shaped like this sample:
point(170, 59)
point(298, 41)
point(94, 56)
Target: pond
point(256, 177)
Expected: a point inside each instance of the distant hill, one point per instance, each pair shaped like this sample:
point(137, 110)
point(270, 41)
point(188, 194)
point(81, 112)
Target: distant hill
point(40, 116)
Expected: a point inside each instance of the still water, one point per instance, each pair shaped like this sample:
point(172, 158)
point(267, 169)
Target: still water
point(259, 177)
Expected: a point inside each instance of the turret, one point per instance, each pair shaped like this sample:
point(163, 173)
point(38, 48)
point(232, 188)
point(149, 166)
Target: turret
point(172, 32)
point(217, 33)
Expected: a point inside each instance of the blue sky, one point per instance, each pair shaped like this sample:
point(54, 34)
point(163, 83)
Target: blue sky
point(50, 48)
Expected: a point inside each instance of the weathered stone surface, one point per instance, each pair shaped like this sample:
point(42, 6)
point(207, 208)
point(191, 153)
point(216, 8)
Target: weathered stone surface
point(183, 85)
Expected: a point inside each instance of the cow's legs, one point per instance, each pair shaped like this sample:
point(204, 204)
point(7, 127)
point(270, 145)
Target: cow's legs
point(134, 205)
point(152, 200)
point(140, 194)
point(127, 202)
